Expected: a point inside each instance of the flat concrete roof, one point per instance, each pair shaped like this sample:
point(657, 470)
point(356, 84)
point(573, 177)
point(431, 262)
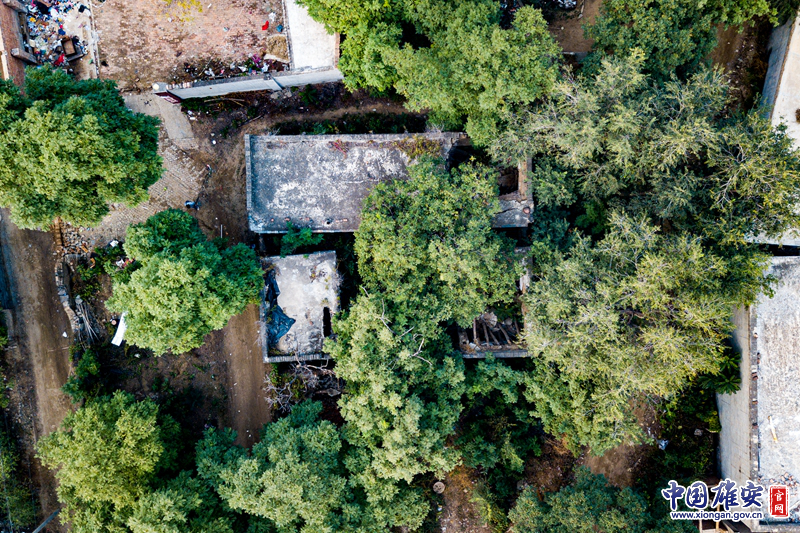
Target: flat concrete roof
point(307, 285)
point(310, 44)
point(321, 181)
point(777, 337)
point(761, 421)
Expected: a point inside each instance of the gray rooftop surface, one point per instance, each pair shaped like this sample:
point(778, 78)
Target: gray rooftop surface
point(308, 284)
point(321, 181)
point(778, 341)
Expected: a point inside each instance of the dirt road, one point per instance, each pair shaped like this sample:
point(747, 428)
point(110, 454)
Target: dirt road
point(247, 409)
point(40, 324)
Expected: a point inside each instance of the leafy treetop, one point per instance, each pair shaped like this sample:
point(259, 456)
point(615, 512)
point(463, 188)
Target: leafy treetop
point(70, 148)
point(182, 286)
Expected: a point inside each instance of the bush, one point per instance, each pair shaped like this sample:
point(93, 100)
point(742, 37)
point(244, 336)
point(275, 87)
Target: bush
point(296, 238)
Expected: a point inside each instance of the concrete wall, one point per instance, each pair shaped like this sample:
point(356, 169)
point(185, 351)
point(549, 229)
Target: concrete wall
point(778, 45)
point(243, 84)
point(207, 89)
point(307, 77)
point(734, 410)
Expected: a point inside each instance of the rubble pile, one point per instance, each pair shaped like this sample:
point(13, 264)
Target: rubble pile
point(72, 241)
point(49, 39)
point(215, 69)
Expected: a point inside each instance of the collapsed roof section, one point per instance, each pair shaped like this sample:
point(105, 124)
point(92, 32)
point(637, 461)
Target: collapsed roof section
point(300, 297)
point(321, 181)
point(500, 336)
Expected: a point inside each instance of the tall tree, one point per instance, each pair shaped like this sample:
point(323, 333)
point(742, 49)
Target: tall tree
point(589, 505)
point(676, 36)
point(428, 256)
point(616, 140)
point(669, 188)
point(450, 57)
point(297, 477)
point(70, 148)
point(637, 313)
point(106, 455)
point(427, 244)
point(182, 286)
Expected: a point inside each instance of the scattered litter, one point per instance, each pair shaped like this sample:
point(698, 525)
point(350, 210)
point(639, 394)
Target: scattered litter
point(265, 27)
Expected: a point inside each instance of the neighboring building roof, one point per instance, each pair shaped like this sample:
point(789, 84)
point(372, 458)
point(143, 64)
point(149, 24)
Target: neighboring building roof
point(308, 293)
point(310, 44)
point(321, 181)
point(782, 84)
point(761, 422)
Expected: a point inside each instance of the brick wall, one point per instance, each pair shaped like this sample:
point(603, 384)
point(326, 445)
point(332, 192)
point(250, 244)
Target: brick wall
point(12, 68)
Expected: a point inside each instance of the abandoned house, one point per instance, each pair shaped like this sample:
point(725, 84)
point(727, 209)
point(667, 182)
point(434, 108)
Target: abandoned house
point(301, 295)
point(761, 422)
point(313, 57)
point(321, 181)
point(15, 49)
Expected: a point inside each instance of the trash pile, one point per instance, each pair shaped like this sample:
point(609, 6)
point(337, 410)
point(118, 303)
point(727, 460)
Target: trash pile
point(51, 43)
point(71, 242)
point(215, 69)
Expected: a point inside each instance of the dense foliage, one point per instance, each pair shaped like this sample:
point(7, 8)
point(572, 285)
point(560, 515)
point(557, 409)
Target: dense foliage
point(427, 255)
point(106, 455)
point(428, 245)
point(588, 505)
point(300, 477)
point(70, 148)
point(670, 187)
point(676, 36)
point(449, 57)
point(182, 286)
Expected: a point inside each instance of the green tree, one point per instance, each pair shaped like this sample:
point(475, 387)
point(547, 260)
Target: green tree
point(615, 140)
point(428, 245)
point(403, 391)
point(185, 505)
point(497, 431)
point(450, 57)
point(71, 147)
point(106, 455)
point(17, 507)
point(181, 287)
point(676, 35)
point(589, 505)
point(297, 479)
point(637, 313)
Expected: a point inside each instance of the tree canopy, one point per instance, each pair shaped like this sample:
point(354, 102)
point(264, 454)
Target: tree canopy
point(105, 455)
point(181, 286)
point(70, 148)
point(450, 57)
point(676, 36)
point(648, 195)
point(428, 256)
point(589, 505)
point(297, 477)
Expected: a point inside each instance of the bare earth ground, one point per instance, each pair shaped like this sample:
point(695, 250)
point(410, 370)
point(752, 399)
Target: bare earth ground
point(745, 58)
point(567, 30)
point(459, 514)
point(41, 364)
point(147, 41)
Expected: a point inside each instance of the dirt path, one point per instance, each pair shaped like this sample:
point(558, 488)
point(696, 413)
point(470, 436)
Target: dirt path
point(247, 409)
point(40, 323)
